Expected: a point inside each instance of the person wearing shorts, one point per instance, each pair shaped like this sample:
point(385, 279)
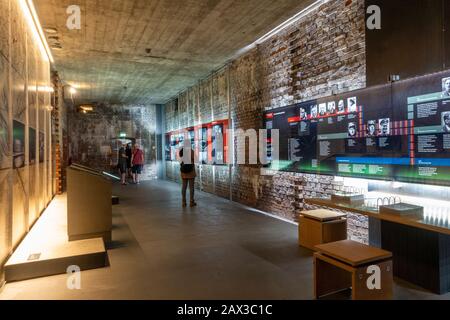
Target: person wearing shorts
point(137, 163)
point(188, 175)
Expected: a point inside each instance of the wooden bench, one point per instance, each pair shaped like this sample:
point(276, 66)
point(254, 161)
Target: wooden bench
point(321, 226)
point(348, 264)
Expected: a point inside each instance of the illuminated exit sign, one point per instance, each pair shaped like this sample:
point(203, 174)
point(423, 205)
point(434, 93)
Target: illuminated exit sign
point(123, 135)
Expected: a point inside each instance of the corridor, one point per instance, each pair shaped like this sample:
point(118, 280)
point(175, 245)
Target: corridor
point(218, 250)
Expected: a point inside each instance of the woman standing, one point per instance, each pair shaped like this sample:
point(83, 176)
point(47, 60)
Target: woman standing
point(129, 153)
point(122, 164)
point(188, 174)
point(137, 162)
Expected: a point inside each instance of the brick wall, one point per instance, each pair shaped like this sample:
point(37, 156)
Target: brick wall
point(93, 136)
point(322, 53)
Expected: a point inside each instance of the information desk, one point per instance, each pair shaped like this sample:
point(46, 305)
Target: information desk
point(89, 208)
point(421, 250)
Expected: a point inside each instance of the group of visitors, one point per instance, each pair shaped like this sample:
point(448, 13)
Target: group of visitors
point(130, 163)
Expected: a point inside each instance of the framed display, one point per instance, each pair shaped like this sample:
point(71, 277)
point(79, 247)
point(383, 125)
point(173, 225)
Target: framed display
point(18, 144)
point(207, 140)
point(41, 146)
point(203, 145)
point(217, 151)
point(5, 159)
point(32, 146)
point(167, 148)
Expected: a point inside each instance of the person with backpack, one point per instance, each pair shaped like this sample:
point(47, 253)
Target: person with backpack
point(188, 174)
point(137, 162)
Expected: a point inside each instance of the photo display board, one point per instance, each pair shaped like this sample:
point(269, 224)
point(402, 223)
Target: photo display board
point(207, 140)
point(398, 131)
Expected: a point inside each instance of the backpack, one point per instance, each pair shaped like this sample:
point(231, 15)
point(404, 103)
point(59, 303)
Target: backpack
point(185, 168)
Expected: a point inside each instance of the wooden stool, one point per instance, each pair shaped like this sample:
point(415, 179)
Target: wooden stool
point(321, 226)
point(348, 264)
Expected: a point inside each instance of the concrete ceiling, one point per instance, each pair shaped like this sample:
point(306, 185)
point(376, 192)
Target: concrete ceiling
point(140, 52)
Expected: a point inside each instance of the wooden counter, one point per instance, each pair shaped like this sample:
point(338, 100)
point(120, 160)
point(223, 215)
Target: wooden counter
point(421, 251)
point(373, 213)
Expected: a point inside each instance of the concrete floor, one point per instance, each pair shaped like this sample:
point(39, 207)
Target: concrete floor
point(218, 250)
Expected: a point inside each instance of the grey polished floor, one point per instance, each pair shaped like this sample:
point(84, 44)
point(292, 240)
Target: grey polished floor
point(218, 250)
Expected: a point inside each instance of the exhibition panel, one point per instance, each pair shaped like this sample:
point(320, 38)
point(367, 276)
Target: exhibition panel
point(398, 131)
point(209, 142)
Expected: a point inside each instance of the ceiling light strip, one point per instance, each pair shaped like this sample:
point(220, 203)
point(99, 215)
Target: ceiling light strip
point(291, 20)
point(280, 27)
point(30, 12)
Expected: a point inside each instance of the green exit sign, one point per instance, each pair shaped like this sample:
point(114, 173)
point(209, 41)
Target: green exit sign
point(123, 135)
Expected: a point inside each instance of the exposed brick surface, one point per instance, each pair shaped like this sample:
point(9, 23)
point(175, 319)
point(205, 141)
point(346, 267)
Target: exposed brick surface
point(93, 136)
point(206, 178)
point(222, 181)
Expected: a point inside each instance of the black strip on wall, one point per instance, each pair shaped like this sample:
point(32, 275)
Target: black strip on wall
point(410, 42)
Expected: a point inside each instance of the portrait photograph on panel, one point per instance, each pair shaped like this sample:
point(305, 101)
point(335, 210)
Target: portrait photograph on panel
point(371, 128)
point(384, 126)
point(331, 107)
point(352, 106)
point(314, 112)
point(352, 130)
point(341, 107)
point(446, 122)
point(322, 109)
point(303, 114)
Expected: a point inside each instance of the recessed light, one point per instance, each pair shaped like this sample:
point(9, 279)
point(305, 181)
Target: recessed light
point(87, 107)
point(50, 30)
